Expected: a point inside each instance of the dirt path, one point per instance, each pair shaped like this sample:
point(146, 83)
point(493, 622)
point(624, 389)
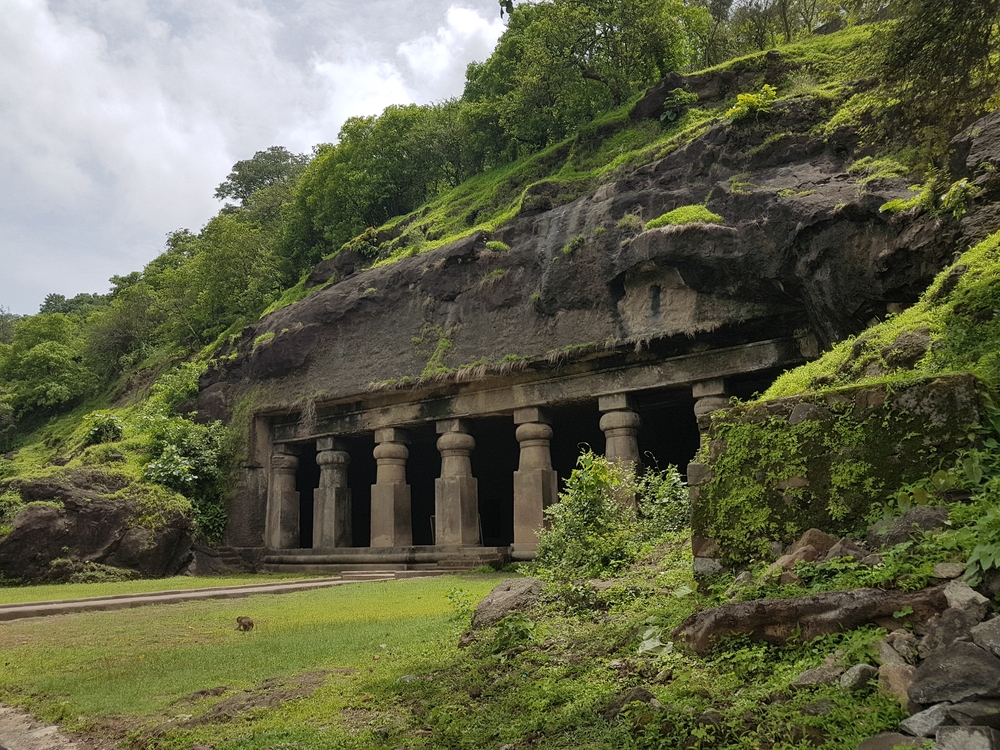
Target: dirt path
point(20, 731)
point(125, 601)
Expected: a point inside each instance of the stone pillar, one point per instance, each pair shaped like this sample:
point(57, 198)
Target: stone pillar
point(392, 519)
point(332, 499)
point(536, 484)
point(456, 493)
point(620, 425)
point(710, 396)
point(282, 525)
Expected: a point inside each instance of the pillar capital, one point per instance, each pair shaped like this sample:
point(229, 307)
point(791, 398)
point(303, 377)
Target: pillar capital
point(330, 444)
point(333, 458)
point(284, 463)
point(445, 426)
point(713, 387)
point(615, 402)
point(391, 435)
point(456, 444)
point(532, 414)
point(285, 449)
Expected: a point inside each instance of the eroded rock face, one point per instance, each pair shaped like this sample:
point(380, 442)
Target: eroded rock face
point(798, 249)
point(88, 528)
point(776, 620)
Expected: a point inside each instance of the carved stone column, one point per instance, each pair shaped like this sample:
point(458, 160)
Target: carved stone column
point(392, 524)
point(620, 425)
point(710, 396)
point(332, 499)
point(536, 484)
point(282, 527)
point(456, 493)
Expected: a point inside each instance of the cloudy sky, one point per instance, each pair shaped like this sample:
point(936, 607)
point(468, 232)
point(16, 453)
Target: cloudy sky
point(119, 117)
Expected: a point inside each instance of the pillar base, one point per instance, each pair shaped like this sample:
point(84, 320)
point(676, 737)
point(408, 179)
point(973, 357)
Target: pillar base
point(391, 517)
point(523, 552)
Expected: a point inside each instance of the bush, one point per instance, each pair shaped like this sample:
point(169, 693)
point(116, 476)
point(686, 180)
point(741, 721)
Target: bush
point(105, 427)
point(753, 105)
point(595, 529)
point(685, 215)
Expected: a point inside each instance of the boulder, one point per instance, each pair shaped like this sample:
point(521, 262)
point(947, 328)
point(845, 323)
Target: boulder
point(925, 723)
point(976, 713)
point(962, 596)
point(777, 620)
point(857, 677)
point(508, 597)
point(896, 679)
point(893, 531)
point(815, 677)
point(956, 673)
point(84, 526)
point(943, 630)
point(948, 570)
point(986, 635)
point(967, 738)
point(846, 548)
point(820, 541)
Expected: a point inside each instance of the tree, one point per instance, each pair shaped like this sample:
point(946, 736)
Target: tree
point(275, 164)
point(938, 60)
point(7, 319)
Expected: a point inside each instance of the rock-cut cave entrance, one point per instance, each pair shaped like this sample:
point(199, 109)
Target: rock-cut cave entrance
point(494, 462)
point(306, 480)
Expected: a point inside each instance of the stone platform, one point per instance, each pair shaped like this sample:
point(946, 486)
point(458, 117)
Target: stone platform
point(423, 558)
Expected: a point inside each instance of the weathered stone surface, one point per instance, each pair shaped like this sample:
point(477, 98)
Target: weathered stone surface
point(820, 541)
point(986, 635)
point(816, 677)
point(959, 672)
point(948, 570)
point(846, 548)
point(896, 679)
point(857, 677)
point(984, 713)
point(903, 643)
point(967, 738)
point(705, 567)
point(961, 596)
point(921, 518)
point(943, 630)
point(925, 723)
point(89, 528)
point(888, 741)
point(775, 620)
point(508, 597)
point(808, 412)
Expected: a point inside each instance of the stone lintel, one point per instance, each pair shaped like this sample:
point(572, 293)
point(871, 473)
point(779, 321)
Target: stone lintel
point(614, 402)
point(452, 425)
point(532, 414)
point(676, 372)
point(391, 435)
point(713, 387)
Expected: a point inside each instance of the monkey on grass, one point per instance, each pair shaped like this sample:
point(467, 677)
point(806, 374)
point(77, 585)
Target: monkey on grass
point(244, 624)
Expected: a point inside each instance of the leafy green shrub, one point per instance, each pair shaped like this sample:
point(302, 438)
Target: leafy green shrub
point(956, 200)
point(753, 105)
point(10, 505)
point(497, 246)
point(105, 427)
point(685, 215)
point(596, 529)
point(365, 244)
point(676, 103)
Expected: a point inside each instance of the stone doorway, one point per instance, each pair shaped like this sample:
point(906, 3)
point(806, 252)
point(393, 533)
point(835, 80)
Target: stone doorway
point(669, 432)
point(306, 480)
point(422, 468)
point(360, 478)
point(575, 428)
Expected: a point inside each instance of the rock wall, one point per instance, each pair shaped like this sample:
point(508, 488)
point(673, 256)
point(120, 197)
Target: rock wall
point(801, 247)
point(770, 470)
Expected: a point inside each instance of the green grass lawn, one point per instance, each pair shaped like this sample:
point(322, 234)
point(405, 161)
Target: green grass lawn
point(131, 670)
point(53, 592)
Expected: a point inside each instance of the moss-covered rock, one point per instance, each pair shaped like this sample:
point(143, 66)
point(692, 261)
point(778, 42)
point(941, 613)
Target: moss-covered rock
point(825, 460)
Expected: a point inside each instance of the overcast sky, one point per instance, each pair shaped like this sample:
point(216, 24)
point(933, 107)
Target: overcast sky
point(118, 118)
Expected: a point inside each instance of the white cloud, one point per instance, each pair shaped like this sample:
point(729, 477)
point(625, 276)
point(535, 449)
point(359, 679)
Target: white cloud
point(119, 117)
